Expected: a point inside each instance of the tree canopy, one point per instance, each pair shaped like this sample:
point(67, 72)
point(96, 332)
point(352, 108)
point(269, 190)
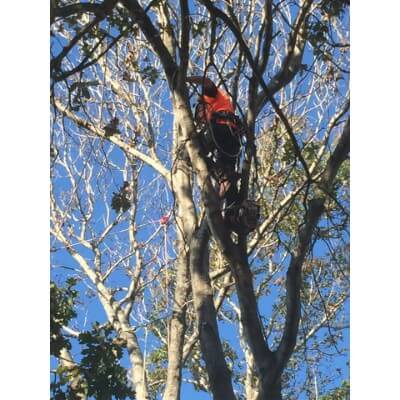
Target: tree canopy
point(152, 297)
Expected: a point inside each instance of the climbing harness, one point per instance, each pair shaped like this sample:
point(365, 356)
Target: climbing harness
point(240, 215)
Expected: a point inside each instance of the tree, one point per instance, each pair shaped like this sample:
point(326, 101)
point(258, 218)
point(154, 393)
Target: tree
point(136, 222)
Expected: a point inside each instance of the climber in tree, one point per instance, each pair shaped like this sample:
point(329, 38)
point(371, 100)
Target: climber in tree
point(220, 139)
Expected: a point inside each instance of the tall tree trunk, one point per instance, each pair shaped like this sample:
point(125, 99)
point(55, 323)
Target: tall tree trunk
point(177, 331)
point(186, 221)
point(211, 347)
point(138, 372)
point(272, 391)
point(77, 383)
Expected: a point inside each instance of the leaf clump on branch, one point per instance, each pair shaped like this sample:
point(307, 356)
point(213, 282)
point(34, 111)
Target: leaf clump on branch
point(121, 201)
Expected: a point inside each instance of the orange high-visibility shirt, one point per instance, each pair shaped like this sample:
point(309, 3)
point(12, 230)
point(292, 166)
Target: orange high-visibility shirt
point(221, 102)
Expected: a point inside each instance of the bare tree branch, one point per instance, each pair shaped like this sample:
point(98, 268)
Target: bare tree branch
point(293, 279)
point(153, 36)
point(129, 149)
